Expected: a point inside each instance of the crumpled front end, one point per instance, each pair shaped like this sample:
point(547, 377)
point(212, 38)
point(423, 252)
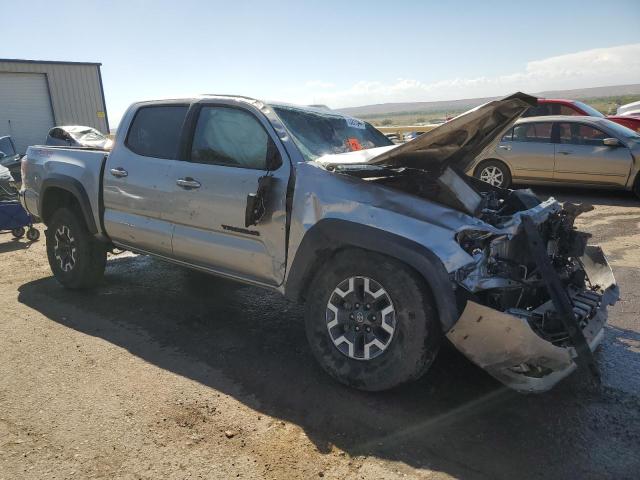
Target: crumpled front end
point(536, 301)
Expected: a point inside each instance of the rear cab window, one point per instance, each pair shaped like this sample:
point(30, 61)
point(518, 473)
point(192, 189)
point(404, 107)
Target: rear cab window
point(155, 131)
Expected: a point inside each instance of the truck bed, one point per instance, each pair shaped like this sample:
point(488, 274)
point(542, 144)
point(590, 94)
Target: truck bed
point(80, 165)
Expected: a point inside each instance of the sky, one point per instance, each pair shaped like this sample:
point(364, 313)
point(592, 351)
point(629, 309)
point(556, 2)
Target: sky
point(339, 53)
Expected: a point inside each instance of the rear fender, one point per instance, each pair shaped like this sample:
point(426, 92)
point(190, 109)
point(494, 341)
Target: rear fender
point(76, 189)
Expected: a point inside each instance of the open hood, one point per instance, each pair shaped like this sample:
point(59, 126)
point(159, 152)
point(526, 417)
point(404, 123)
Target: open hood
point(455, 143)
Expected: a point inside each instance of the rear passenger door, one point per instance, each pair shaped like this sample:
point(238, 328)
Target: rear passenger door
point(137, 186)
point(529, 151)
point(226, 155)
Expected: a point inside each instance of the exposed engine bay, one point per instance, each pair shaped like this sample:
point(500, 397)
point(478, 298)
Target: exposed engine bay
point(543, 288)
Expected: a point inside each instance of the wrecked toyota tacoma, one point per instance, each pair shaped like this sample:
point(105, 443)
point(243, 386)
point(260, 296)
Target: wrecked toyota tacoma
point(390, 247)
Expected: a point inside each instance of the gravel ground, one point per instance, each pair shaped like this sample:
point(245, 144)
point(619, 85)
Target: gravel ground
point(164, 373)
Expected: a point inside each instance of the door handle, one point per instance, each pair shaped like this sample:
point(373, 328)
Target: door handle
point(188, 183)
point(119, 172)
point(565, 152)
point(505, 147)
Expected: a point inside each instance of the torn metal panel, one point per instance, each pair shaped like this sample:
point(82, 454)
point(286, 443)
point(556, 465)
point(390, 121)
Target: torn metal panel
point(597, 267)
point(509, 350)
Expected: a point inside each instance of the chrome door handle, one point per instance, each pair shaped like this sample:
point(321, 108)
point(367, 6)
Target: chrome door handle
point(119, 172)
point(187, 182)
point(505, 147)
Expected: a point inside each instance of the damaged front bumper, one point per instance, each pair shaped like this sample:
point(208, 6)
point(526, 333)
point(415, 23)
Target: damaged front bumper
point(508, 347)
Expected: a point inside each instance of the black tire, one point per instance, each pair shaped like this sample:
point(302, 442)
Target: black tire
point(18, 232)
point(33, 234)
point(76, 258)
point(417, 335)
point(498, 167)
point(636, 186)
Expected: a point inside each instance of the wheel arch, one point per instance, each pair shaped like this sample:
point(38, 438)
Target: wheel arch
point(61, 190)
point(329, 236)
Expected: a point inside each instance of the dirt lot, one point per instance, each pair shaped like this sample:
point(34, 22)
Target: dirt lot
point(162, 373)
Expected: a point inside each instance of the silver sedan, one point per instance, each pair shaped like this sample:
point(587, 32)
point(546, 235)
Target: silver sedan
point(567, 150)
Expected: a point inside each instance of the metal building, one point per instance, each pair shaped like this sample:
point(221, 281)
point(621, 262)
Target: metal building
point(37, 95)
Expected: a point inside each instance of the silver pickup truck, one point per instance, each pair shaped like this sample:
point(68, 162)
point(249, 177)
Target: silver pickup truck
point(389, 246)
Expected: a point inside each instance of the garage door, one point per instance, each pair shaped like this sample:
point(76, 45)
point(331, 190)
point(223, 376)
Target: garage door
point(25, 109)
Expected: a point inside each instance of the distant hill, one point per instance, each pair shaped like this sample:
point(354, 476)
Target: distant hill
point(464, 104)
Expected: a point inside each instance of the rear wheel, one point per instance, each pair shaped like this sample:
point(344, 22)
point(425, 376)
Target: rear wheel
point(371, 321)
point(76, 258)
point(494, 172)
point(636, 186)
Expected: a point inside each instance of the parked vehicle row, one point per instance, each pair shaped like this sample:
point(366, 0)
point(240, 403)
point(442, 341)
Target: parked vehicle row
point(567, 150)
point(551, 106)
point(389, 246)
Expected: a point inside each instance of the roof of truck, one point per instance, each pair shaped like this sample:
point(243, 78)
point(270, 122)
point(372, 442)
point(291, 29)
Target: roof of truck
point(242, 98)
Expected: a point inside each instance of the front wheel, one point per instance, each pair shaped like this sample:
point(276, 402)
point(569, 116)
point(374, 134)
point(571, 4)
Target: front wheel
point(371, 322)
point(76, 258)
point(495, 173)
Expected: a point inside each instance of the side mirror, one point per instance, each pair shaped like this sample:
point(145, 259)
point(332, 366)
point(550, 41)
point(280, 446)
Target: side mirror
point(611, 142)
point(2, 154)
point(274, 160)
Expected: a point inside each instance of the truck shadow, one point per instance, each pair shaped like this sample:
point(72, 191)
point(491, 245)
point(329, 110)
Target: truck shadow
point(252, 343)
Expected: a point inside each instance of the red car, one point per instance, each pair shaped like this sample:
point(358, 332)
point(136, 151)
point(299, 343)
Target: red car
point(555, 106)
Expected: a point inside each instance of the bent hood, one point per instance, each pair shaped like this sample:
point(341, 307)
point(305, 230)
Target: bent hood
point(455, 143)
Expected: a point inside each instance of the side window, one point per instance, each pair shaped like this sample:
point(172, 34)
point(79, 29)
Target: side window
point(581, 134)
point(229, 136)
point(57, 133)
point(533, 132)
point(566, 110)
point(155, 131)
point(542, 110)
point(507, 136)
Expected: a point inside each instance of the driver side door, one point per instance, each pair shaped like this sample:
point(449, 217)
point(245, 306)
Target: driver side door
point(227, 147)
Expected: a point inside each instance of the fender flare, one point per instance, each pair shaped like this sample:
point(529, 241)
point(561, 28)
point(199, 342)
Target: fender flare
point(330, 235)
point(75, 188)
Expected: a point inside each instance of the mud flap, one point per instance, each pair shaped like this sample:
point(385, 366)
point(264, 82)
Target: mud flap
point(560, 298)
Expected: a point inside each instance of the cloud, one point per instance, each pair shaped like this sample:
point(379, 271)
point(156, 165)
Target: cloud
point(319, 84)
point(601, 66)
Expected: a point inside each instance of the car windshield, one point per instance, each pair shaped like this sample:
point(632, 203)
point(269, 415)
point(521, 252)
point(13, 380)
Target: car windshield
point(622, 132)
point(592, 112)
point(322, 133)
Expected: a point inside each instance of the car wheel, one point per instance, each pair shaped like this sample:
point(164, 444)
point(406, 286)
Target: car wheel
point(494, 172)
point(371, 321)
point(76, 258)
point(636, 186)
point(33, 234)
point(18, 232)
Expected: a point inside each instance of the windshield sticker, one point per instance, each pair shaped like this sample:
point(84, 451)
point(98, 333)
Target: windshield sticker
point(353, 144)
point(355, 123)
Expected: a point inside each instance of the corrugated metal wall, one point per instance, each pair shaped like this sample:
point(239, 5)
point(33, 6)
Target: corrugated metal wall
point(76, 91)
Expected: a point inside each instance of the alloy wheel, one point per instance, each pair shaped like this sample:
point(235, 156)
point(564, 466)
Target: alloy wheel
point(65, 248)
point(492, 175)
point(361, 318)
